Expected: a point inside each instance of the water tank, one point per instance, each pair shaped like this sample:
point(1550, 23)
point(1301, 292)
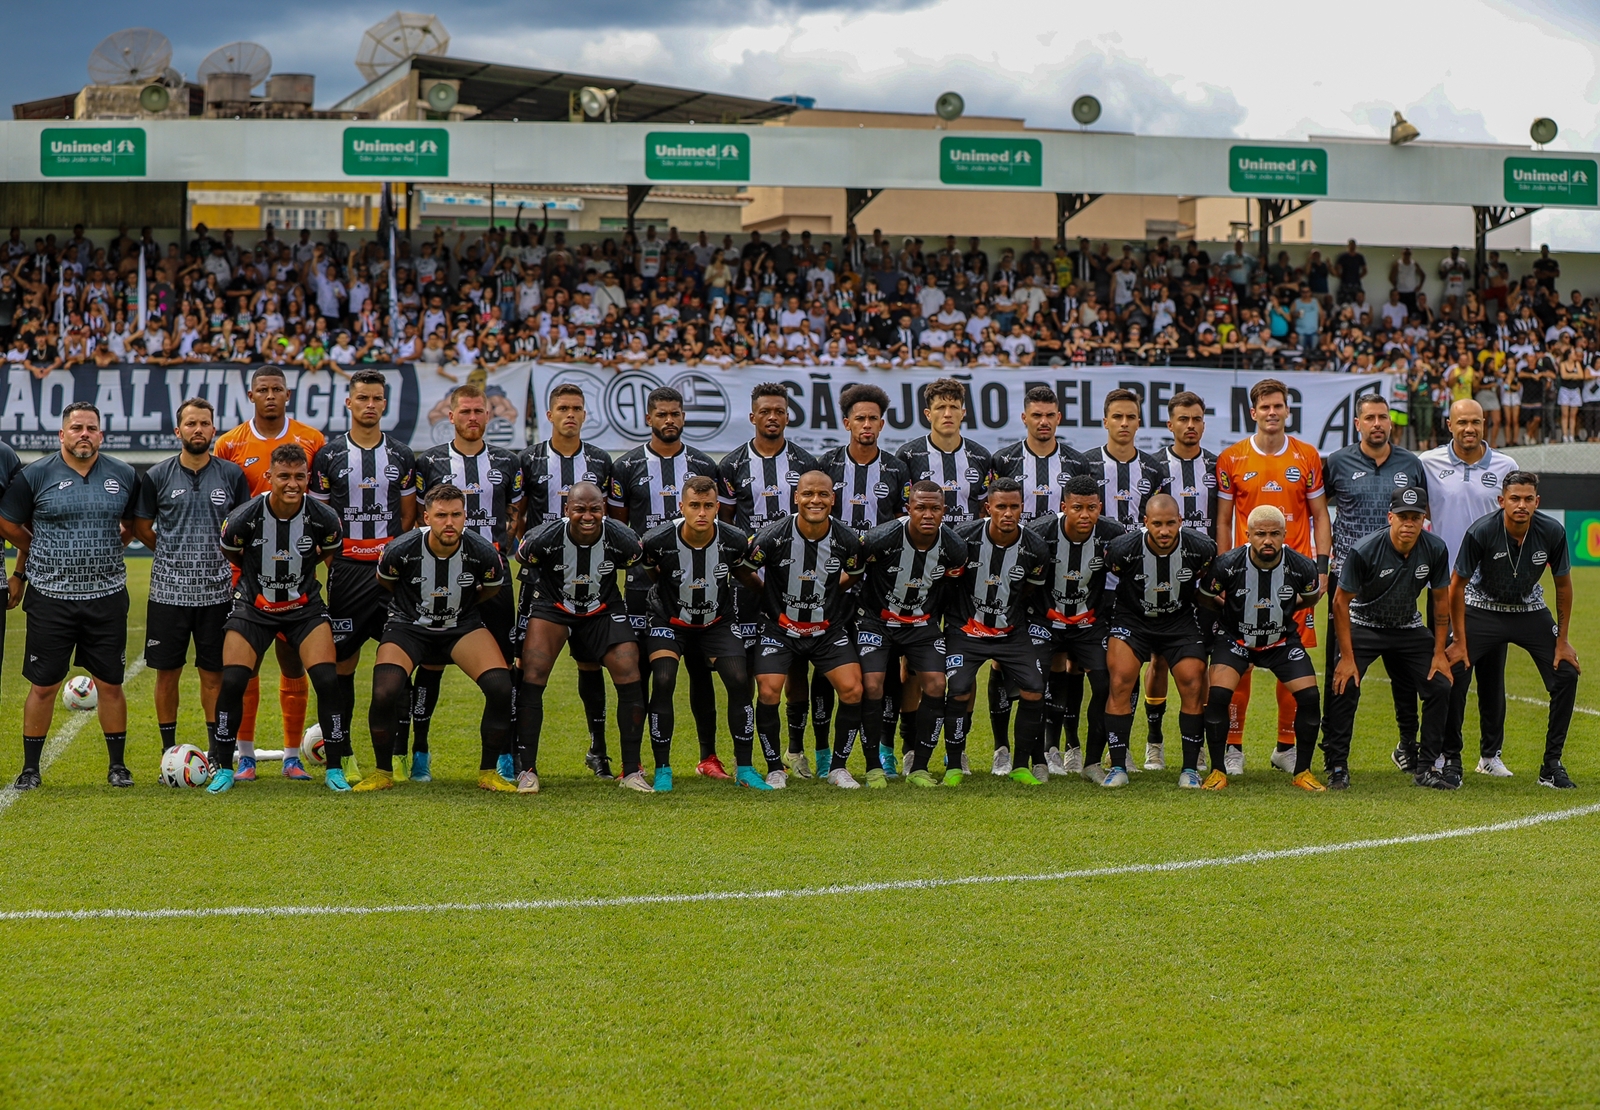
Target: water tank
point(227, 88)
point(292, 88)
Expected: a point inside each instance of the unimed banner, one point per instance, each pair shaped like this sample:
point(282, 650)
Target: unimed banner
point(717, 402)
point(137, 403)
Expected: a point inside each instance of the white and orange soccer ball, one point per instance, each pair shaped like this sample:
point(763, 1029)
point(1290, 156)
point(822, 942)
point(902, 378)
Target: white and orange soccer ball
point(185, 765)
point(313, 749)
point(80, 693)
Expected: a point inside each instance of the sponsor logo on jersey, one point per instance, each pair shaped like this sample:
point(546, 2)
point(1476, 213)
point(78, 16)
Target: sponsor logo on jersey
point(1037, 631)
point(179, 492)
point(636, 621)
point(954, 661)
point(64, 484)
point(1499, 554)
point(663, 633)
point(1272, 487)
point(869, 639)
point(1249, 474)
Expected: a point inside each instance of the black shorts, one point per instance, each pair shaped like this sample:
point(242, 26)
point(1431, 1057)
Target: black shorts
point(260, 628)
point(880, 641)
point(168, 629)
point(777, 651)
point(358, 606)
point(1174, 637)
point(588, 638)
point(711, 641)
point(499, 613)
point(1084, 644)
point(427, 647)
point(1287, 659)
point(747, 615)
point(1023, 658)
point(96, 629)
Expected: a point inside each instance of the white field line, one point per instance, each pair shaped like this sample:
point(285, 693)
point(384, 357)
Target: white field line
point(629, 900)
point(58, 741)
point(1509, 697)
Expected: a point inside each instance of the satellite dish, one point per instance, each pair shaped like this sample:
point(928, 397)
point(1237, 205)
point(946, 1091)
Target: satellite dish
point(1085, 109)
point(597, 102)
point(171, 78)
point(442, 96)
point(133, 56)
point(387, 44)
point(248, 58)
point(1544, 130)
point(949, 106)
point(154, 99)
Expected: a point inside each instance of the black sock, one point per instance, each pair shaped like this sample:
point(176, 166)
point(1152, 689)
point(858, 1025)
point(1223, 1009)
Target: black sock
point(169, 735)
point(116, 747)
point(1055, 687)
point(1030, 732)
point(1192, 731)
point(1155, 709)
point(955, 743)
point(1118, 726)
point(391, 688)
point(795, 712)
point(630, 723)
point(999, 710)
point(929, 722)
point(846, 733)
point(1307, 721)
point(1217, 725)
point(767, 734)
point(347, 695)
point(1071, 706)
point(592, 692)
point(872, 731)
point(908, 729)
point(702, 704)
point(211, 740)
point(32, 751)
point(822, 700)
point(530, 723)
point(425, 698)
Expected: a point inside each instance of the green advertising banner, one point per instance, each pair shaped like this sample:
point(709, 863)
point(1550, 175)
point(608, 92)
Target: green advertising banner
point(1015, 162)
point(696, 156)
point(91, 152)
point(1583, 537)
point(1566, 181)
point(1301, 172)
point(396, 151)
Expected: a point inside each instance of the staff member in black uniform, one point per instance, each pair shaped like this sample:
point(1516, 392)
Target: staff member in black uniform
point(1375, 617)
point(10, 468)
point(1496, 599)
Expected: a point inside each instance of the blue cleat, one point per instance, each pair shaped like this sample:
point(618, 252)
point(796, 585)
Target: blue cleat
point(506, 765)
point(891, 769)
point(663, 780)
point(1115, 777)
point(747, 776)
point(824, 762)
point(294, 769)
point(421, 767)
point(336, 781)
point(247, 769)
point(221, 782)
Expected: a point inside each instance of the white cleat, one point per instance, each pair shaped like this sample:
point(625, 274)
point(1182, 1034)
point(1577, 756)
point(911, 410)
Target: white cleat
point(1204, 763)
point(1072, 760)
point(1284, 760)
point(1041, 771)
point(1233, 761)
point(1095, 774)
point(778, 780)
point(1002, 763)
point(1493, 766)
point(1053, 760)
point(638, 783)
point(843, 779)
point(1154, 757)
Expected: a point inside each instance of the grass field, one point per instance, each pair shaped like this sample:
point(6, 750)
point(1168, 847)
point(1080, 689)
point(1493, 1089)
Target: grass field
point(1454, 972)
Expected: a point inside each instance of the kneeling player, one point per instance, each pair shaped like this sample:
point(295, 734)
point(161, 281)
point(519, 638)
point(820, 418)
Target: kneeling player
point(1257, 589)
point(909, 565)
point(276, 540)
point(570, 597)
point(437, 578)
point(691, 612)
point(1158, 569)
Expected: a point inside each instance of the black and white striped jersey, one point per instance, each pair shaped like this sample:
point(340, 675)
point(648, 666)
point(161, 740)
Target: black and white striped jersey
point(866, 495)
point(580, 579)
point(1259, 603)
point(693, 585)
point(439, 592)
point(1043, 477)
point(278, 557)
point(1077, 571)
point(996, 581)
point(649, 487)
point(491, 479)
point(1194, 483)
point(366, 486)
point(964, 474)
point(1154, 585)
point(761, 488)
point(904, 585)
point(801, 588)
point(547, 475)
point(1125, 487)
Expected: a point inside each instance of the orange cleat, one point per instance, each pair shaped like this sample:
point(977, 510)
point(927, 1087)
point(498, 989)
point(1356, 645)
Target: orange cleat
point(1305, 780)
point(1216, 780)
point(711, 767)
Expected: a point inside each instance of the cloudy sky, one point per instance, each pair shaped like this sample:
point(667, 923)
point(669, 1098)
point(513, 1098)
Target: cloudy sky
point(1471, 70)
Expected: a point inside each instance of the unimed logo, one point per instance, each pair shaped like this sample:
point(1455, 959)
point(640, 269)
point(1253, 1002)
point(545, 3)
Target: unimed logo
point(1561, 181)
point(696, 156)
point(92, 152)
point(1015, 162)
point(379, 151)
point(1298, 171)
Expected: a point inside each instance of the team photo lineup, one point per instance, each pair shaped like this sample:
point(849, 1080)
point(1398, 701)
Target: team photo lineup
point(863, 596)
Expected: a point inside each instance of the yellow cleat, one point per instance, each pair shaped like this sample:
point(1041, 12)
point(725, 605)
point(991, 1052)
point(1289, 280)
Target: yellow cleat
point(1305, 780)
point(378, 780)
point(1215, 781)
point(491, 780)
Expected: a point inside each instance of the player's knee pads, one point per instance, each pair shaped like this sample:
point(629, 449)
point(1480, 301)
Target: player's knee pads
point(1217, 704)
point(235, 680)
point(389, 686)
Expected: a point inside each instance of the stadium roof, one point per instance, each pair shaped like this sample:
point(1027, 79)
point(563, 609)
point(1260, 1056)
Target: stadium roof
point(502, 92)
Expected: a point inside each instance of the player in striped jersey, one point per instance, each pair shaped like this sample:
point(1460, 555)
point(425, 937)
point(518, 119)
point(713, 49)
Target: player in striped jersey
point(438, 577)
point(960, 467)
point(277, 540)
point(250, 446)
point(1258, 588)
point(370, 480)
point(690, 560)
point(549, 471)
point(1127, 476)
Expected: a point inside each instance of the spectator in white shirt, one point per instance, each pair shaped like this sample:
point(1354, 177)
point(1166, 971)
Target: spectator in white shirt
point(1394, 312)
point(930, 298)
point(949, 316)
point(1017, 346)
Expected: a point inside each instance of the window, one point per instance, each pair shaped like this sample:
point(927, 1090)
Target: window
point(295, 218)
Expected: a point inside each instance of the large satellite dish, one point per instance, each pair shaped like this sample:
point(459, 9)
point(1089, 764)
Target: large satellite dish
point(134, 56)
point(249, 58)
point(387, 44)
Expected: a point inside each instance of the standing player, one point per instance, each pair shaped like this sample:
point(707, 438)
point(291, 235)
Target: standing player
point(691, 562)
point(569, 597)
point(1257, 589)
point(491, 479)
point(1375, 616)
point(960, 467)
point(250, 445)
point(277, 540)
point(810, 562)
point(1273, 468)
point(1158, 570)
point(1360, 480)
point(438, 577)
point(909, 568)
point(16, 582)
point(370, 480)
point(182, 504)
point(549, 471)
point(1496, 600)
point(65, 513)
point(646, 492)
point(1192, 481)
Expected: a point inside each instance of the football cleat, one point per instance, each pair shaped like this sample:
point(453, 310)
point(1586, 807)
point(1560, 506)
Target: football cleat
point(422, 767)
point(1405, 757)
point(599, 764)
point(921, 778)
point(777, 780)
point(1072, 760)
point(1024, 776)
point(1001, 766)
point(378, 780)
point(1283, 760)
point(336, 782)
point(1451, 769)
point(1203, 764)
point(953, 777)
point(1495, 767)
point(506, 767)
point(843, 779)
point(1041, 771)
point(1188, 779)
point(1094, 773)
point(1054, 761)
point(527, 783)
point(877, 779)
point(1155, 758)
point(1216, 780)
point(1233, 759)
point(491, 781)
point(402, 767)
point(636, 782)
point(824, 757)
point(1306, 781)
point(746, 776)
point(1339, 778)
point(30, 780)
point(1555, 778)
point(663, 780)
point(1114, 778)
point(886, 756)
point(221, 782)
point(119, 776)
point(798, 765)
point(711, 767)
point(1434, 780)
point(294, 769)
point(247, 769)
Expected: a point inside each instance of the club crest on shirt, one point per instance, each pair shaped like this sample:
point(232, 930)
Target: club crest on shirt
point(1540, 558)
point(113, 486)
point(1491, 479)
point(1293, 474)
point(1422, 571)
point(219, 497)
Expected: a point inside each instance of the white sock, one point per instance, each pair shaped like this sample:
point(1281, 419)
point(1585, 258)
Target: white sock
point(247, 749)
point(291, 753)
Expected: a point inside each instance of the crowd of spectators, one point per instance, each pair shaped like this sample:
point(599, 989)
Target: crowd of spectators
point(518, 292)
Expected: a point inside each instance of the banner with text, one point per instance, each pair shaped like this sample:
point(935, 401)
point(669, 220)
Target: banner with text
point(137, 403)
point(716, 402)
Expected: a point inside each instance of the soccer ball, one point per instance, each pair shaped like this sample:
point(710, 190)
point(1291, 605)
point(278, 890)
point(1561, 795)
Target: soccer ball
point(313, 749)
point(185, 765)
point(80, 693)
